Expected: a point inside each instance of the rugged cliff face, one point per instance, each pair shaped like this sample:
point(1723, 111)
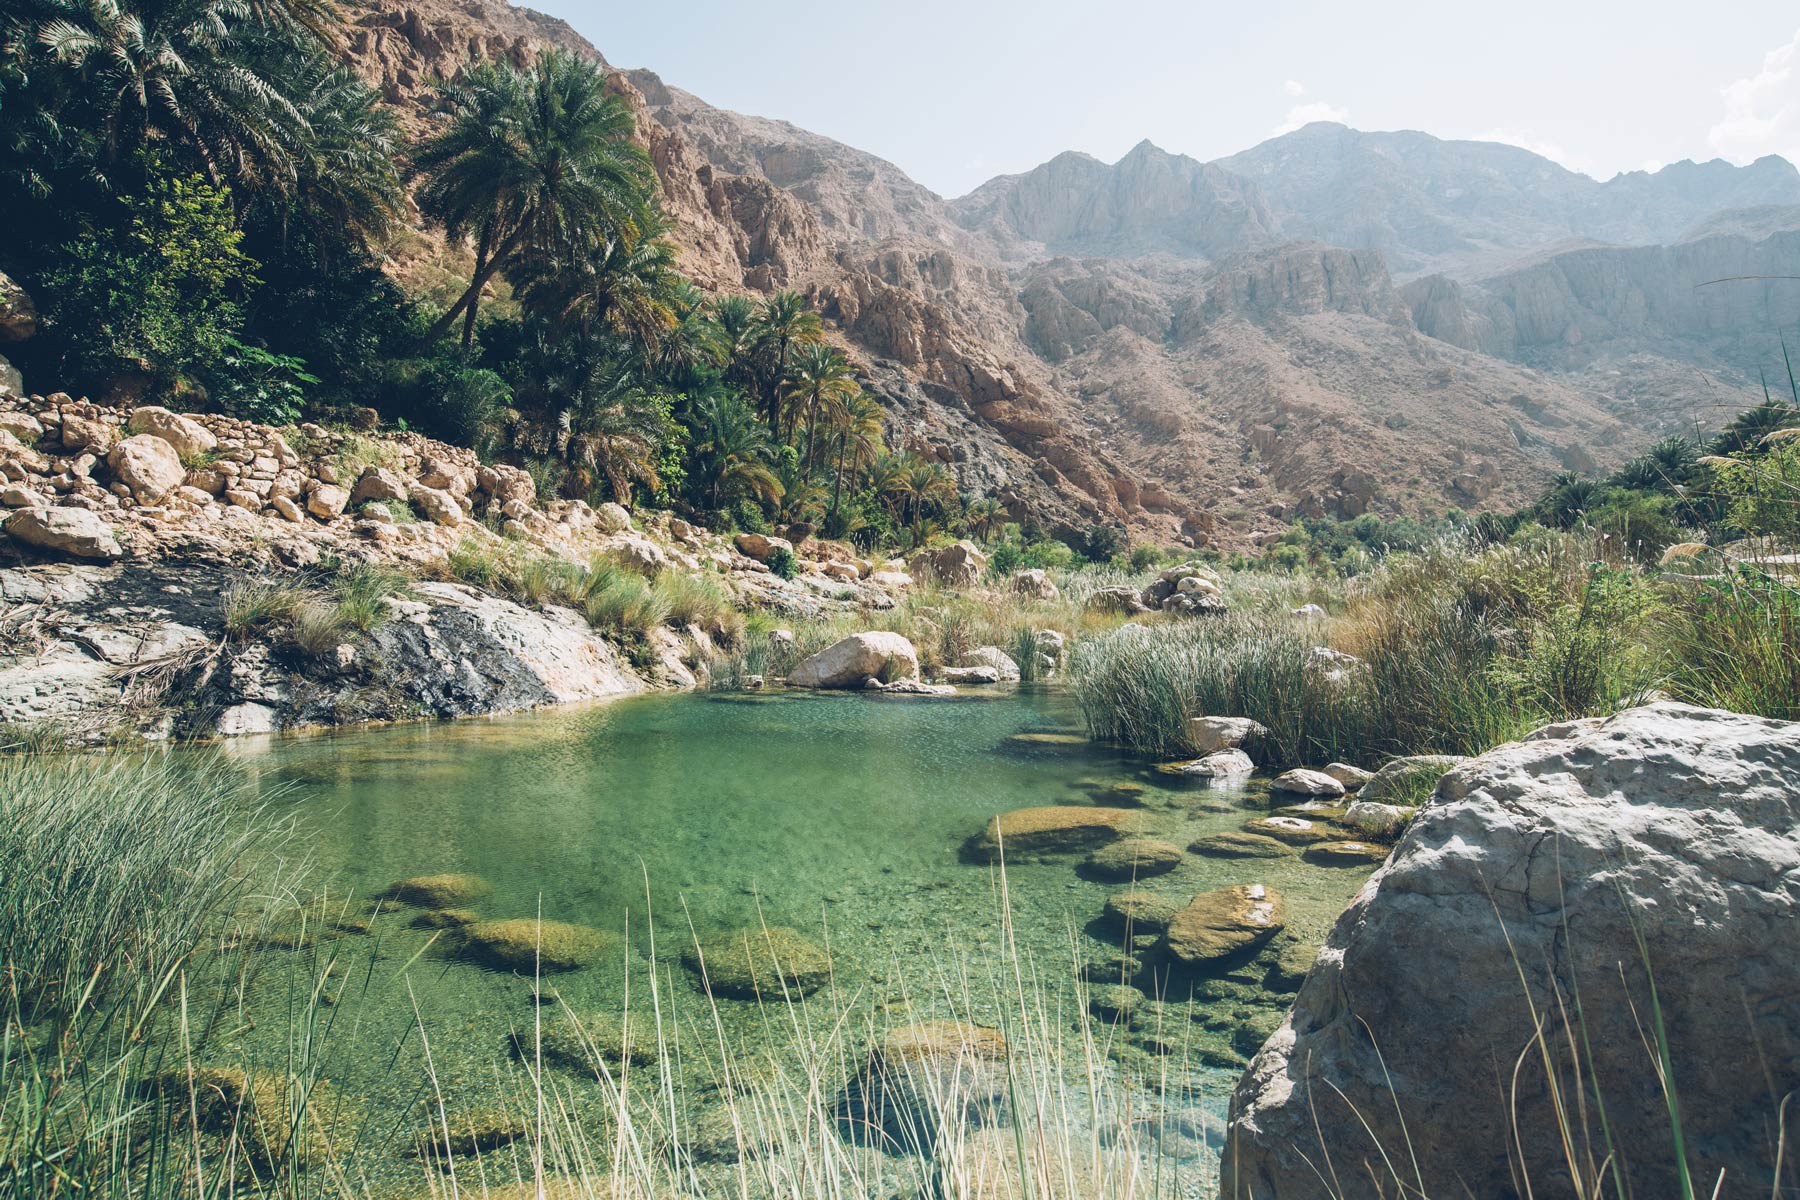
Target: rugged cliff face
point(1135, 344)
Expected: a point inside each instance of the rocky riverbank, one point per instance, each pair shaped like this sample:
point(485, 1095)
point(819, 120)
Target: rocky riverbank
point(130, 532)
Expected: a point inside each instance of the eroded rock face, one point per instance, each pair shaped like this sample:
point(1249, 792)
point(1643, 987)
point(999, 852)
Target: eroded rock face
point(1535, 870)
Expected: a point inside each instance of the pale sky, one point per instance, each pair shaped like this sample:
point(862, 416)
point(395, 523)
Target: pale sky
point(957, 91)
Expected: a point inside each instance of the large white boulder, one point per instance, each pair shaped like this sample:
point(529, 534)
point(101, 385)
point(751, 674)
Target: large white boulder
point(1573, 868)
point(148, 465)
point(73, 531)
point(188, 436)
point(1213, 734)
point(960, 564)
point(857, 659)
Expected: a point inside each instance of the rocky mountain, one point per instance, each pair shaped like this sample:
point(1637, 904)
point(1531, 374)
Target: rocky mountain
point(1199, 352)
point(1467, 208)
point(1148, 202)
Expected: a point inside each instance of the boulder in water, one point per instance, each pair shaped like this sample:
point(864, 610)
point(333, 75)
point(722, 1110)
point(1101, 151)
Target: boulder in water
point(1224, 923)
point(852, 662)
point(1054, 829)
point(768, 962)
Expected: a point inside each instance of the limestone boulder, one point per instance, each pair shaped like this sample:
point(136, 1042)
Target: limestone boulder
point(18, 314)
point(1213, 734)
point(1221, 764)
point(27, 428)
point(1224, 923)
point(612, 517)
point(73, 531)
point(1005, 669)
point(761, 546)
point(12, 381)
point(327, 501)
point(1033, 584)
point(436, 505)
point(84, 436)
point(852, 662)
point(960, 564)
point(188, 436)
point(378, 483)
point(1348, 774)
point(1660, 844)
point(1117, 599)
point(1303, 782)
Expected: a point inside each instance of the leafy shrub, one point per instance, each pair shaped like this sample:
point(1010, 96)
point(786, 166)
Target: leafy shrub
point(1004, 559)
point(162, 290)
point(783, 563)
point(255, 385)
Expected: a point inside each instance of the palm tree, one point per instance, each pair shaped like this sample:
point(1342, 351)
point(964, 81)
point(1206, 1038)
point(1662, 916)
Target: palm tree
point(734, 337)
point(540, 160)
point(819, 380)
point(984, 515)
point(188, 76)
point(782, 322)
point(618, 432)
point(859, 428)
point(731, 450)
point(345, 175)
point(623, 286)
point(927, 484)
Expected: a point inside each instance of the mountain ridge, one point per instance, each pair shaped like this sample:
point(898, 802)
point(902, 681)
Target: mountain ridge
point(1157, 347)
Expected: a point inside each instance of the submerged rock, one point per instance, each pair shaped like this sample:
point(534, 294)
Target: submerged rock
point(925, 1080)
point(1220, 924)
point(1055, 829)
point(1133, 858)
point(771, 963)
point(1238, 844)
point(1345, 854)
point(525, 945)
point(276, 1121)
point(1542, 868)
point(581, 1043)
point(449, 890)
point(470, 1133)
point(1134, 912)
point(446, 918)
point(1295, 831)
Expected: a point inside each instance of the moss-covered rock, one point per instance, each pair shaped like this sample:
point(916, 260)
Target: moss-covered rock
point(1295, 831)
point(1249, 1036)
point(1224, 923)
point(1054, 829)
point(438, 891)
point(275, 1121)
point(580, 1042)
point(1287, 970)
point(763, 962)
point(1136, 913)
point(1133, 858)
point(470, 1133)
point(1345, 854)
point(445, 918)
point(1238, 844)
point(524, 945)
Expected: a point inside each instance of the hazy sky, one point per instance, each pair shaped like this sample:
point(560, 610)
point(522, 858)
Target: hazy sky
point(956, 92)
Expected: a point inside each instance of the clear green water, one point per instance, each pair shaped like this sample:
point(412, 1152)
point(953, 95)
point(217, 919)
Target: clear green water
point(843, 816)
